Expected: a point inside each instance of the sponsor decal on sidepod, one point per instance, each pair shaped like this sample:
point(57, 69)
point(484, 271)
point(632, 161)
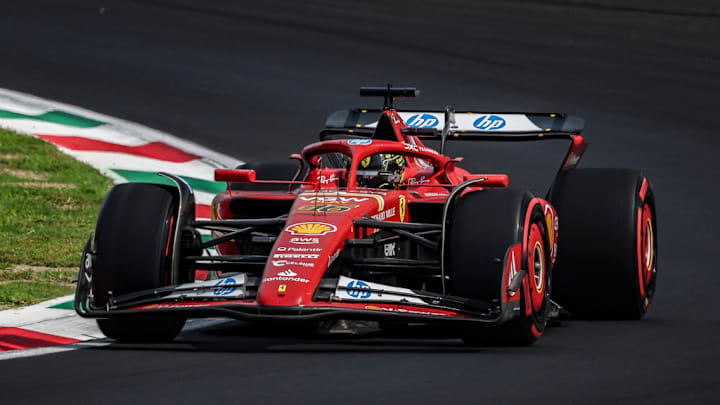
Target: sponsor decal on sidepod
point(389, 213)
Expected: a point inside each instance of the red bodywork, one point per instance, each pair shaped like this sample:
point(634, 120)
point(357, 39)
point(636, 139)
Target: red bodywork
point(328, 200)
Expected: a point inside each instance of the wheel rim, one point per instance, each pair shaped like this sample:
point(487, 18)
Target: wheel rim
point(648, 247)
point(538, 268)
point(536, 262)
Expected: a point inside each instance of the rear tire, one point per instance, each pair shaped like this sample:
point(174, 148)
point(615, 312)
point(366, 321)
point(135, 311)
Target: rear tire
point(607, 257)
point(133, 252)
point(484, 225)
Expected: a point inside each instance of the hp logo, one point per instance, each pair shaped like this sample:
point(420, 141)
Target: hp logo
point(489, 122)
point(225, 286)
point(357, 293)
point(359, 141)
point(422, 121)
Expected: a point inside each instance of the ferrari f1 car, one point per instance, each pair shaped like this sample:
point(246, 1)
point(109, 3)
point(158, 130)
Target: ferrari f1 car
point(370, 224)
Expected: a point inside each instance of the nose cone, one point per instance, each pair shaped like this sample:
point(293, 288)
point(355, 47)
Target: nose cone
point(317, 227)
point(299, 259)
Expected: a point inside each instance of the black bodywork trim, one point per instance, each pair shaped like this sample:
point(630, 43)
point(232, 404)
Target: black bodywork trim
point(185, 217)
point(249, 312)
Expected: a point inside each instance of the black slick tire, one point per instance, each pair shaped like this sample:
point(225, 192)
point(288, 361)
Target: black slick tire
point(484, 225)
point(607, 256)
point(133, 247)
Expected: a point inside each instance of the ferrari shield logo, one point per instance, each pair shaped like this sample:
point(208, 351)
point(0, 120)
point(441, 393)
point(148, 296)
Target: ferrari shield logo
point(403, 208)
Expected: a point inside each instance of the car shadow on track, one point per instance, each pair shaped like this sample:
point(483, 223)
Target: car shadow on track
point(228, 336)
point(242, 337)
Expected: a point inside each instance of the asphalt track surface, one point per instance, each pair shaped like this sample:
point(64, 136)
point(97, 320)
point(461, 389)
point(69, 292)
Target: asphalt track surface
point(257, 80)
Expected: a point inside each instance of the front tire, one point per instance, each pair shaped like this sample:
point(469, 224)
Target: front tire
point(483, 227)
point(133, 252)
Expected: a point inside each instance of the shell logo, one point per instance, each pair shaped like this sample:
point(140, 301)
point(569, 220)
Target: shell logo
point(550, 224)
point(549, 221)
point(311, 228)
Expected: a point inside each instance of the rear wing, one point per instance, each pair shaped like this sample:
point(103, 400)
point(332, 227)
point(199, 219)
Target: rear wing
point(444, 125)
point(465, 121)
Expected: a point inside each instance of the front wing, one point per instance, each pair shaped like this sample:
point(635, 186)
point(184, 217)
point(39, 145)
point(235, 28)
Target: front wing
point(231, 297)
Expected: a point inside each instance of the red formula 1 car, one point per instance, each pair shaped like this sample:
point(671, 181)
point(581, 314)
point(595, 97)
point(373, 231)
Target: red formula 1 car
point(370, 224)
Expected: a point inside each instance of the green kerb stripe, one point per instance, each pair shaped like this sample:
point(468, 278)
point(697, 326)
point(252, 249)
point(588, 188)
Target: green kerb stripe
point(207, 186)
point(65, 305)
point(57, 117)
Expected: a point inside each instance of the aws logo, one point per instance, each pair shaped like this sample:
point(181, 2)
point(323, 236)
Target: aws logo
point(422, 121)
point(489, 122)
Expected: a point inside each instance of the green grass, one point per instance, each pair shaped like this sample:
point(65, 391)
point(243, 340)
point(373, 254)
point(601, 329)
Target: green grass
point(43, 226)
point(21, 293)
point(51, 275)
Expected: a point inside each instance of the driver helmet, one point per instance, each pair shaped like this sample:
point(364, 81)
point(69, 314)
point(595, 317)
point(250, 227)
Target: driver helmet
point(381, 170)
